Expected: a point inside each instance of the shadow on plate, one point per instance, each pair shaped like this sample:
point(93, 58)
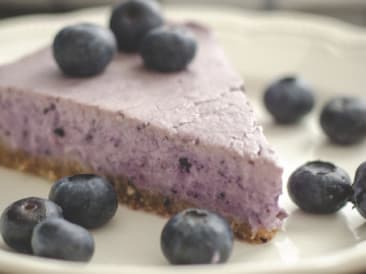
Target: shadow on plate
point(319, 234)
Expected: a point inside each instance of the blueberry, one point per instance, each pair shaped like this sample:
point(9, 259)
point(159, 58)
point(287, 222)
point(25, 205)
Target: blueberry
point(196, 236)
point(84, 49)
point(359, 189)
point(289, 99)
point(168, 49)
point(320, 187)
point(18, 220)
point(343, 120)
point(59, 239)
point(131, 20)
point(86, 199)
point(361, 173)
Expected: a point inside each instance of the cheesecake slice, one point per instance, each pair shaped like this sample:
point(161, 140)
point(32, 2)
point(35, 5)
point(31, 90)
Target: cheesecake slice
point(166, 141)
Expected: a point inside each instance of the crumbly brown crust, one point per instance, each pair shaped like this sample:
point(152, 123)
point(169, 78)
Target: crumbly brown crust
point(128, 194)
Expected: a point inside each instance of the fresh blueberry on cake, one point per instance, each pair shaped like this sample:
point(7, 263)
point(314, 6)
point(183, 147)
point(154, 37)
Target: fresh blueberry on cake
point(167, 142)
point(168, 49)
point(84, 49)
point(131, 20)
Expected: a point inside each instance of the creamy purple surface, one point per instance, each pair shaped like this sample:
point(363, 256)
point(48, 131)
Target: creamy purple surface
point(190, 135)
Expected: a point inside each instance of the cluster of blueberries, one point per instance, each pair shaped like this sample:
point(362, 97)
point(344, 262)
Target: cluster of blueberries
point(321, 187)
point(57, 227)
point(86, 49)
point(343, 119)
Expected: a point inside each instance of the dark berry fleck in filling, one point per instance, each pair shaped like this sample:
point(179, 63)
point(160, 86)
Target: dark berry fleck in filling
point(221, 173)
point(88, 137)
point(142, 126)
point(259, 153)
point(48, 109)
point(59, 131)
point(121, 114)
point(222, 195)
point(184, 165)
point(197, 141)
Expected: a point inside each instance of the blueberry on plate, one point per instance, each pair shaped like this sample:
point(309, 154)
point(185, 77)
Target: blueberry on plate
point(168, 49)
point(84, 49)
point(18, 220)
point(289, 99)
point(320, 187)
point(360, 174)
point(343, 120)
point(86, 199)
point(196, 236)
point(131, 20)
point(359, 189)
point(59, 239)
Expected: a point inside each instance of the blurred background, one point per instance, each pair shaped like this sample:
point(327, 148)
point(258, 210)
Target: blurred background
point(353, 11)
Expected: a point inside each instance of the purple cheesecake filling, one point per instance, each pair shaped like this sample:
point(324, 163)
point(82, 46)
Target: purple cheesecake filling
point(244, 188)
point(190, 135)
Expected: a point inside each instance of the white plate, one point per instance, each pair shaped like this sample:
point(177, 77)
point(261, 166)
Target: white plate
point(329, 54)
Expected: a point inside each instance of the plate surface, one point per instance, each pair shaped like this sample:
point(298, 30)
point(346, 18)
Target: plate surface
point(329, 54)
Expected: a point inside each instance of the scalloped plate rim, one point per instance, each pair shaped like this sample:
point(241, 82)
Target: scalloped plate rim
point(345, 260)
